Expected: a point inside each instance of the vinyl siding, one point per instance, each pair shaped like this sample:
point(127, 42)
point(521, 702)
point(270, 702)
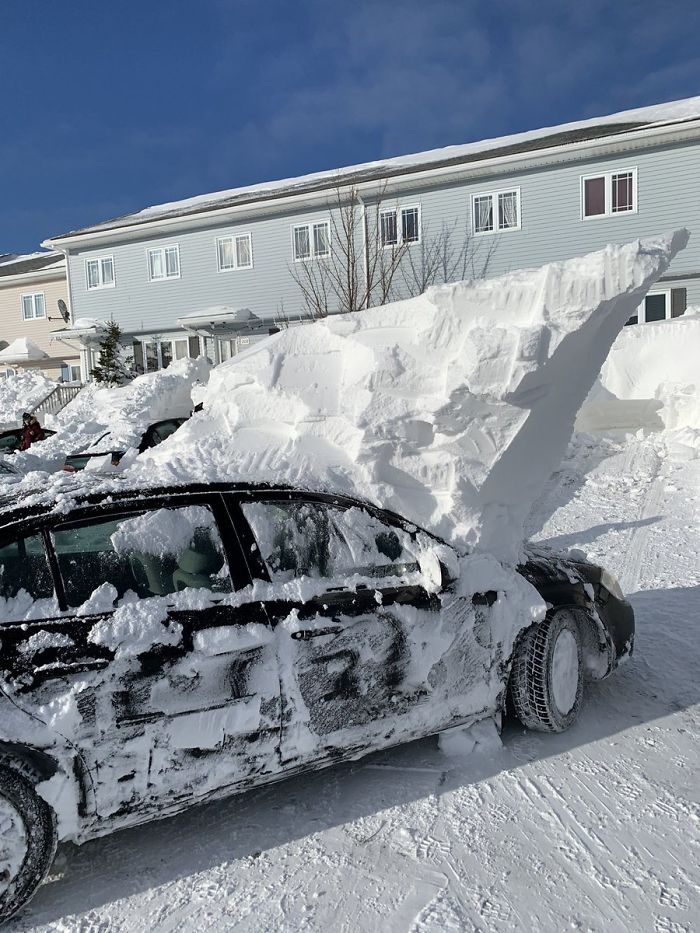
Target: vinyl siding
point(551, 229)
point(12, 324)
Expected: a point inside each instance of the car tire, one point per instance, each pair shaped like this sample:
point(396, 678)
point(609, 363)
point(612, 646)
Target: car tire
point(28, 840)
point(546, 681)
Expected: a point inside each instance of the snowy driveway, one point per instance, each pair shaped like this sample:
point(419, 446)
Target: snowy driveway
point(597, 829)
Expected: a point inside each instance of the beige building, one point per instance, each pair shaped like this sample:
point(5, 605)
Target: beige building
point(33, 306)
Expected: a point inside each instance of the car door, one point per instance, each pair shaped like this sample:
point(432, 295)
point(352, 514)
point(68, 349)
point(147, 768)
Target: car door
point(168, 679)
point(372, 649)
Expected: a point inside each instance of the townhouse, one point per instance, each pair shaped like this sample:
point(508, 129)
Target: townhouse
point(33, 307)
point(211, 272)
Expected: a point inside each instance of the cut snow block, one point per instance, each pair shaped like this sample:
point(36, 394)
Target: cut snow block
point(452, 408)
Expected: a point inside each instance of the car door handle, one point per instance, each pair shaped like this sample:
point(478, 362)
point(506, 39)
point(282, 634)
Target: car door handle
point(306, 634)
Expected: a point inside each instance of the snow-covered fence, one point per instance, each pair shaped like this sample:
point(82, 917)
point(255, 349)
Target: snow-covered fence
point(57, 399)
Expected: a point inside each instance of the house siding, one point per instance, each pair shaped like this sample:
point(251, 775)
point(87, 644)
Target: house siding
point(551, 229)
point(13, 325)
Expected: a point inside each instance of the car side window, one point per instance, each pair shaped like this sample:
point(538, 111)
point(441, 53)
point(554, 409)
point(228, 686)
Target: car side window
point(10, 441)
point(24, 567)
point(152, 553)
point(318, 540)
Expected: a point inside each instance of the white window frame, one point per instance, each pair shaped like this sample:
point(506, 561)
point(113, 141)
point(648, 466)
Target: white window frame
point(33, 316)
point(233, 237)
point(162, 249)
point(494, 195)
point(642, 309)
point(66, 368)
point(159, 341)
point(608, 176)
point(101, 283)
point(398, 212)
point(309, 226)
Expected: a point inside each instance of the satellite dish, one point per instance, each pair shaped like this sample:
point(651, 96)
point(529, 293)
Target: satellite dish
point(63, 311)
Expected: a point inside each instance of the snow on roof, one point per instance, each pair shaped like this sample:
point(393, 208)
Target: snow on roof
point(597, 127)
point(12, 264)
point(22, 350)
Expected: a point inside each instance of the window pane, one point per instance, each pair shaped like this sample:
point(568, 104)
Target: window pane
point(172, 262)
point(508, 210)
point(225, 246)
point(321, 240)
point(389, 232)
point(298, 539)
point(409, 225)
point(93, 273)
point(622, 192)
point(24, 566)
point(27, 307)
point(655, 308)
point(181, 347)
point(244, 254)
point(107, 266)
point(483, 214)
point(302, 246)
point(155, 260)
point(166, 352)
point(152, 554)
point(594, 197)
point(151, 356)
point(39, 307)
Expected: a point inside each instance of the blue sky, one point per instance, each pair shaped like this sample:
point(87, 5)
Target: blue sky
point(107, 108)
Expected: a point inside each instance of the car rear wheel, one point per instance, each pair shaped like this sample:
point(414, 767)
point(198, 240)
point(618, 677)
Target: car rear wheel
point(27, 841)
point(546, 681)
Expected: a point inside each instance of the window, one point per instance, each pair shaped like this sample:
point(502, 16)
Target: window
point(235, 252)
point(661, 306)
point(150, 554)
point(151, 355)
point(399, 226)
point(100, 272)
point(33, 306)
point(311, 241)
point(6, 373)
point(70, 373)
point(496, 211)
point(164, 263)
point(313, 539)
point(609, 193)
point(25, 567)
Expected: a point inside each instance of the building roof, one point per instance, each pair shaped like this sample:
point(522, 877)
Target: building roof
point(598, 128)
point(12, 264)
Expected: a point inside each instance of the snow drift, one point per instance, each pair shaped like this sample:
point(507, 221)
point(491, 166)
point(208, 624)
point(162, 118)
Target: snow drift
point(452, 408)
point(650, 382)
point(21, 393)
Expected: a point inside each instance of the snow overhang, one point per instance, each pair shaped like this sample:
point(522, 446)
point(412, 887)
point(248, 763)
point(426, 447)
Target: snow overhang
point(84, 330)
point(22, 350)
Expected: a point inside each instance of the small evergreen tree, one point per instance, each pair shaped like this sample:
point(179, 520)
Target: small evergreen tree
point(110, 369)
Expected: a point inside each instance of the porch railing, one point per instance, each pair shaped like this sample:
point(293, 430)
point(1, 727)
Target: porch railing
point(56, 400)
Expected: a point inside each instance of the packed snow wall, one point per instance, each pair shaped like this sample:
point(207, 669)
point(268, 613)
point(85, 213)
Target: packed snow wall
point(452, 408)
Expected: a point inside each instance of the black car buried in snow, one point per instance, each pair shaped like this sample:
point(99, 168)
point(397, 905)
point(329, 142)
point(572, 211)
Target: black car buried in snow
point(162, 647)
point(11, 439)
point(154, 434)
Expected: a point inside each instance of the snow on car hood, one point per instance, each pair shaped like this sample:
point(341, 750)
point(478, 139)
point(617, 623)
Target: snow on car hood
point(452, 408)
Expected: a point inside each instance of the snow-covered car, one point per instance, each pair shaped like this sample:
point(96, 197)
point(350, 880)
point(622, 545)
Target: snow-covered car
point(153, 435)
point(167, 646)
point(11, 440)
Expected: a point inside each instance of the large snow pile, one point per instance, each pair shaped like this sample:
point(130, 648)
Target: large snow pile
point(128, 410)
point(452, 408)
point(21, 393)
point(650, 382)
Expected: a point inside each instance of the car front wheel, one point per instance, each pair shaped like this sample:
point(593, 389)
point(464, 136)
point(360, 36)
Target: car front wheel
point(546, 681)
point(27, 841)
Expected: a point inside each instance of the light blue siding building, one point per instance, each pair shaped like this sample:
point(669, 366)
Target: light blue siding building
point(205, 274)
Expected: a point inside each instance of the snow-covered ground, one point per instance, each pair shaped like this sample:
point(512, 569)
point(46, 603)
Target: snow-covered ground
point(597, 829)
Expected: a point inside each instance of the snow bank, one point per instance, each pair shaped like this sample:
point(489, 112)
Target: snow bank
point(127, 411)
point(21, 393)
point(452, 408)
point(650, 382)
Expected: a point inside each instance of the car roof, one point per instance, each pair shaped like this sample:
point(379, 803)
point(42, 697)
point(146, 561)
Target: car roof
point(77, 491)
